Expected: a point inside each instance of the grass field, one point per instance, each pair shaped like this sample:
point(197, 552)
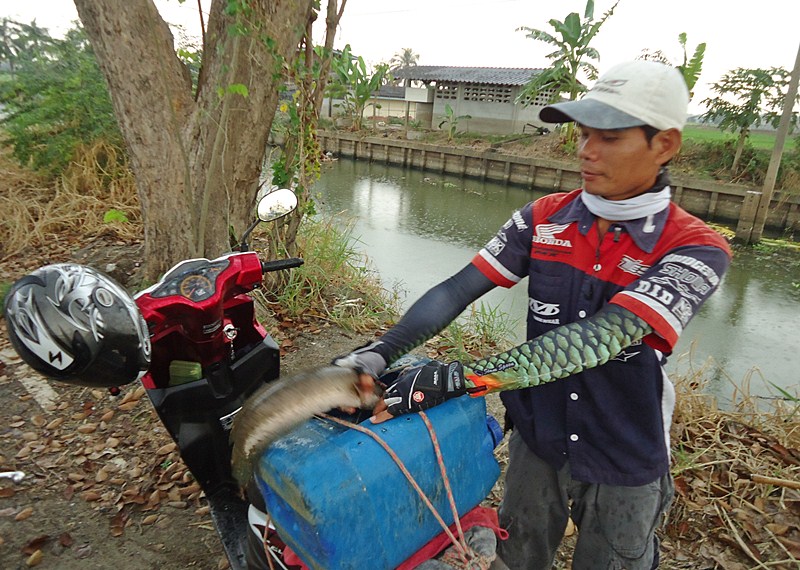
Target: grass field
point(759, 139)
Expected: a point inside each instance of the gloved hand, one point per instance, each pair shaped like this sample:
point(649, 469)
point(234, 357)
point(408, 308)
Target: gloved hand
point(423, 387)
point(363, 360)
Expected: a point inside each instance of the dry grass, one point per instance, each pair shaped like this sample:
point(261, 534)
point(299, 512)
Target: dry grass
point(40, 214)
point(737, 475)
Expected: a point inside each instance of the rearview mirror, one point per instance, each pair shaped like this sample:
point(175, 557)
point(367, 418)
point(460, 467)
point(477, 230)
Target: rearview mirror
point(276, 204)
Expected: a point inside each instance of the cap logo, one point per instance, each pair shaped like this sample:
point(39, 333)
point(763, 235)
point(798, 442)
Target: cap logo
point(612, 82)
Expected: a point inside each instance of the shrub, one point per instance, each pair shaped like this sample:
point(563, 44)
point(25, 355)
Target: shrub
point(55, 101)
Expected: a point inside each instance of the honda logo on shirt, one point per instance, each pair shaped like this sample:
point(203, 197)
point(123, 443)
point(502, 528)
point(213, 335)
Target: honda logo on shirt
point(544, 234)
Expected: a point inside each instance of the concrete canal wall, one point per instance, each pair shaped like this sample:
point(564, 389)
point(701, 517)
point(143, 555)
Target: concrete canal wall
point(709, 200)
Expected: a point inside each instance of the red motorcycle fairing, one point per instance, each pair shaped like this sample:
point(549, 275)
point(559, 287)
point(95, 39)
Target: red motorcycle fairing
point(192, 311)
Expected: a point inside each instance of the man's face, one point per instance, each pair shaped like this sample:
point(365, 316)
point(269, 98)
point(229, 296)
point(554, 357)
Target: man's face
point(620, 164)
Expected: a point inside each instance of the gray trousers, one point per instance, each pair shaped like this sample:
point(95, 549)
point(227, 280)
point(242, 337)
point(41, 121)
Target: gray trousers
point(616, 525)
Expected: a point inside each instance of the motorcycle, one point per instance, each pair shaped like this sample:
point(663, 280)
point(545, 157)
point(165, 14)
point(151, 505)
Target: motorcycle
point(207, 353)
point(193, 340)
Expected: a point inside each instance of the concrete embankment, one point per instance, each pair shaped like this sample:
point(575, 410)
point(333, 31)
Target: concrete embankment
point(712, 201)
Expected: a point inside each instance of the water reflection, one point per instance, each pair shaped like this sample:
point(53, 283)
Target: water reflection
point(419, 228)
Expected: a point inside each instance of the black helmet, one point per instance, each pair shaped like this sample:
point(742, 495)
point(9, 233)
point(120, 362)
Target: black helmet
point(77, 325)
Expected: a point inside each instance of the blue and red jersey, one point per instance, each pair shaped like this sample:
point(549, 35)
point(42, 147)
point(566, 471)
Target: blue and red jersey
point(611, 422)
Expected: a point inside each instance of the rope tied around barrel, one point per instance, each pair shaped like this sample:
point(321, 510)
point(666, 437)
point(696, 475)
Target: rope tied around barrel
point(461, 555)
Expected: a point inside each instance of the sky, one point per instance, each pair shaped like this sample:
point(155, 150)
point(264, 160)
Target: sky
point(738, 33)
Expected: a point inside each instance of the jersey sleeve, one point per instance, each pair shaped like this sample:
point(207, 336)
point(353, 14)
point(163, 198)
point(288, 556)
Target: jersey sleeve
point(672, 291)
point(506, 257)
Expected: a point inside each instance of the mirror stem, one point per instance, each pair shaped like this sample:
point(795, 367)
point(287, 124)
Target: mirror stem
point(243, 244)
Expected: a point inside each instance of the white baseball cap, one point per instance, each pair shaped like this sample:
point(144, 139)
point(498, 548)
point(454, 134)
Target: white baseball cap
point(630, 94)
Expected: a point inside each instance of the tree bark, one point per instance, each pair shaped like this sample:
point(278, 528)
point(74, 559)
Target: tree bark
point(739, 149)
point(197, 158)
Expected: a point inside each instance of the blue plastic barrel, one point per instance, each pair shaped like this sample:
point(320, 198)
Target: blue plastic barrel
point(340, 502)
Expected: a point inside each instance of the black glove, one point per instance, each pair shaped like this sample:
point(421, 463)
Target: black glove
point(423, 387)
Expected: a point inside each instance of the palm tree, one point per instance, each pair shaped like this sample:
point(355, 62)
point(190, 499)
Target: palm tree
point(572, 55)
point(403, 60)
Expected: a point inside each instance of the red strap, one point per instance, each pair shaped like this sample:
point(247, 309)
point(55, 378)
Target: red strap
point(479, 516)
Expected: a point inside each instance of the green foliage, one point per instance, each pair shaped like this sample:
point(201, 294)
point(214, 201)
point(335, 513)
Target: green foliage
point(339, 286)
point(21, 41)
point(354, 84)
point(747, 98)
point(233, 89)
point(714, 157)
point(190, 52)
point(404, 59)
point(484, 329)
point(573, 54)
point(691, 67)
point(451, 120)
point(57, 100)
point(761, 140)
point(114, 216)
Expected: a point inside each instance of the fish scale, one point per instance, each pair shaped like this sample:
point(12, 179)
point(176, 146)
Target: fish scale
point(561, 352)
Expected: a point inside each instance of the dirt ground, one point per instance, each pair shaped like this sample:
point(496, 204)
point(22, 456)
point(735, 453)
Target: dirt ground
point(87, 499)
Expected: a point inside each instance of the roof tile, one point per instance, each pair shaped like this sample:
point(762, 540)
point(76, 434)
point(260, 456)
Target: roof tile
point(489, 75)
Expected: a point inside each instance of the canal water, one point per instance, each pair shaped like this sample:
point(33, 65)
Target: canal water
point(418, 228)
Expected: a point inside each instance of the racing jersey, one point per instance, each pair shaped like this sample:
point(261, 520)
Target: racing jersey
point(612, 421)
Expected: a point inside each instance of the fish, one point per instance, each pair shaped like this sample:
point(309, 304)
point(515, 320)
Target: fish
point(277, 408)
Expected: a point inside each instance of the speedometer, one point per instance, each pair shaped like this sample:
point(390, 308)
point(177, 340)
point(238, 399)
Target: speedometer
point(196, 287)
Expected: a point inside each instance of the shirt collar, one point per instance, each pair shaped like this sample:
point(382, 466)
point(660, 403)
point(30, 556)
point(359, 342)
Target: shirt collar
point(645, 232)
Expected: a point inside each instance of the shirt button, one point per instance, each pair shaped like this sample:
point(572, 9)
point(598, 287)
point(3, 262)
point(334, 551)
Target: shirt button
point(573, 396)
point(573, 437)
point(597, 267)
point(581, 314)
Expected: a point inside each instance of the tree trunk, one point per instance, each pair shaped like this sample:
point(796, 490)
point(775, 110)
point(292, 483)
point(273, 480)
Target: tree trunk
point(197, 159)
point(738, 154)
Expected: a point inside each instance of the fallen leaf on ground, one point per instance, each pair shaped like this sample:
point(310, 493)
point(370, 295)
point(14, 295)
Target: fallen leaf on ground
point(34, 559)
point(24, 514)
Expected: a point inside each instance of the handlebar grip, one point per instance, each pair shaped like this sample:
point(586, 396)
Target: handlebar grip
point(281, 264)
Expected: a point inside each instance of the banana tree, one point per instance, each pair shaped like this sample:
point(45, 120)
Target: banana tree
point(356, 84)
point(690, 68)
point(451, 120)
point(573, 54)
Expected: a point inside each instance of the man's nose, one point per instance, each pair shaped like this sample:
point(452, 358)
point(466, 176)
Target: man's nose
point(584, 148)
point(587, 149)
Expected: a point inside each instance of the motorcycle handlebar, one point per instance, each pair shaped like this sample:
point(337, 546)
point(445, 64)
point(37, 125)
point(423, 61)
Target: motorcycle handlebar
point(280, 264)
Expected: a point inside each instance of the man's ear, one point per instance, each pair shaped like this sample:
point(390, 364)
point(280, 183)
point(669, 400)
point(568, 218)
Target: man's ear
point(667, 144)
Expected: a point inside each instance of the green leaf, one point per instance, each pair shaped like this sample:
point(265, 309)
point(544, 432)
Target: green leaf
point(113, 216)
point(238, 89)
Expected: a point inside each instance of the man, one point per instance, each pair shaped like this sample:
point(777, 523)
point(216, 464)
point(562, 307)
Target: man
point(615, 272)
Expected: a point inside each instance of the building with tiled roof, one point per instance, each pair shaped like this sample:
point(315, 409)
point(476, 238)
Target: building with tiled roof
point(487, 94)
point(516, 76)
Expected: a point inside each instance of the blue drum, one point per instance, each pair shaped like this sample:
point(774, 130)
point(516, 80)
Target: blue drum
point(339, 500)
